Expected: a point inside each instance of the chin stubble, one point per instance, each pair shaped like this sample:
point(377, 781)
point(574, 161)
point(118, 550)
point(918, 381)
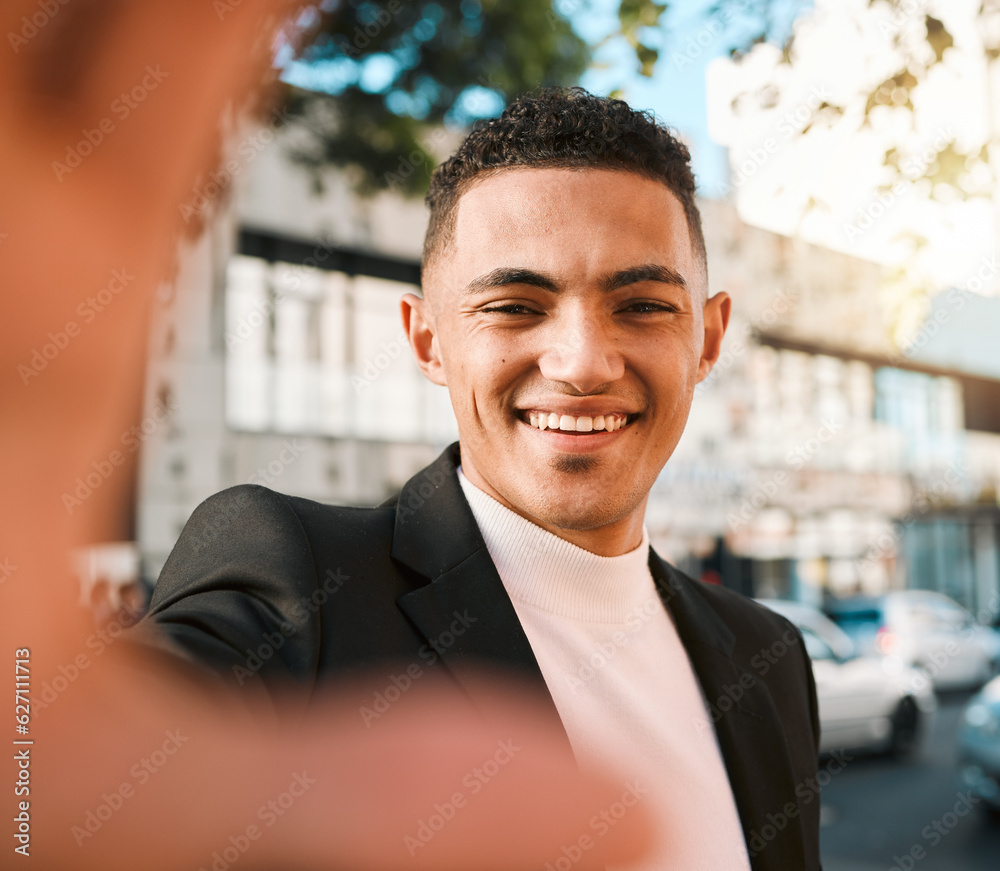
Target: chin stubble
point(573, 464)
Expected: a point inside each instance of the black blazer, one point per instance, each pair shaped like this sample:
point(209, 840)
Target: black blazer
point(267, 590)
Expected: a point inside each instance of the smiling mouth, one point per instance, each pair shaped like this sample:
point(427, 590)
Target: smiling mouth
point(543, 420)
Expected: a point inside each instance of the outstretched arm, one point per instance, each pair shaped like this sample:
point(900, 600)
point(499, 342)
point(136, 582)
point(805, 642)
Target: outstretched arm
point(128, 765)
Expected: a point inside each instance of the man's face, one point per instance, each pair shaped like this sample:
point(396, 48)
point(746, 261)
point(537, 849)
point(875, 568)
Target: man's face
point(569, 323)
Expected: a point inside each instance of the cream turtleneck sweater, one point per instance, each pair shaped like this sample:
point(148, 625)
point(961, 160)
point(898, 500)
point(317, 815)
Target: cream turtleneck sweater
point(622, 684)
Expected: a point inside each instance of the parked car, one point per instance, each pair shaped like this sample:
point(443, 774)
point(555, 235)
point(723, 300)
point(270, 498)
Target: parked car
point(862, 704)
point(979, 745)
point(921, 629)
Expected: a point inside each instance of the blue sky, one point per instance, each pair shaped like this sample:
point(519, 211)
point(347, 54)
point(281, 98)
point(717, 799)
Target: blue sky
point(690, 40)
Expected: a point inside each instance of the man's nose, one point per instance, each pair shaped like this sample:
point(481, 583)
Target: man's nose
point(581, 350)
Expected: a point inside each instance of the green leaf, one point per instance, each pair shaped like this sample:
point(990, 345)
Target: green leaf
point(647, 59)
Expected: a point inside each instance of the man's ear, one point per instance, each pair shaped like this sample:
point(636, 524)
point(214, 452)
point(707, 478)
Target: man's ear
point(716, 319)
point(419, 325)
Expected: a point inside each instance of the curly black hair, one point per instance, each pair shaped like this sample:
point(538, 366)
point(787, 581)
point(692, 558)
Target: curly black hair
point(563, 128)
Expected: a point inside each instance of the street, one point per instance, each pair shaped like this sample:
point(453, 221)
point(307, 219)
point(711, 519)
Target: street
point(882, 815)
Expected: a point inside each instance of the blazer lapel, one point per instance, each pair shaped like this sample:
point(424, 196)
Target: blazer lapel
point(460, 605)
point(747, 724)
point(461, 608)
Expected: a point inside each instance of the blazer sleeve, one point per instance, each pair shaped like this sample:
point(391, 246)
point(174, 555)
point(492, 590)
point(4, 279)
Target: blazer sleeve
point(238, 594)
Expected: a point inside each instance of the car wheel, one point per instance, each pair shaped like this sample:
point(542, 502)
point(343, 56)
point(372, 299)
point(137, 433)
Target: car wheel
point(905, 729)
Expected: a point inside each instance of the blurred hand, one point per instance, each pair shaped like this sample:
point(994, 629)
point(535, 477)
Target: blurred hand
point(111, 108)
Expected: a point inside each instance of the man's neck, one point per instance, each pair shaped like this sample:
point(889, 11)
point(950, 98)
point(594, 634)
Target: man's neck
point(612, 539)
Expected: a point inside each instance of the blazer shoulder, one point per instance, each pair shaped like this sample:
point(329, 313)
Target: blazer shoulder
point(255, 516)
point(250, 563)
point(255, 541)
point(738, 607)
point(255, 528)
point(248, 503)
point(753, 626)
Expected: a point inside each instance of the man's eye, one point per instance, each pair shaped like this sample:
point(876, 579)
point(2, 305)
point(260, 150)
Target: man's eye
point(646, 307)
point(512, 308)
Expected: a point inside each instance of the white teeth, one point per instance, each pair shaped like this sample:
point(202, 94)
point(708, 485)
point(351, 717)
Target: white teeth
point(569, 423)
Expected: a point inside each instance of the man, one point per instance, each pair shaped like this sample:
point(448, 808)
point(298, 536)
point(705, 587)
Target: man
point(565, 307)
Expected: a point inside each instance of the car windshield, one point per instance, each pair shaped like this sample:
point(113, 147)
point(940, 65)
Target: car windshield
point(816, 647)
point(860, 624)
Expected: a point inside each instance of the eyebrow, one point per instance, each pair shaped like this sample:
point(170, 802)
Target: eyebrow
point(646, 272)
point(506, 276)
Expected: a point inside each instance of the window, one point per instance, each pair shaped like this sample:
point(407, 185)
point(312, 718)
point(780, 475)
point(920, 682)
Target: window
point(311, 351)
